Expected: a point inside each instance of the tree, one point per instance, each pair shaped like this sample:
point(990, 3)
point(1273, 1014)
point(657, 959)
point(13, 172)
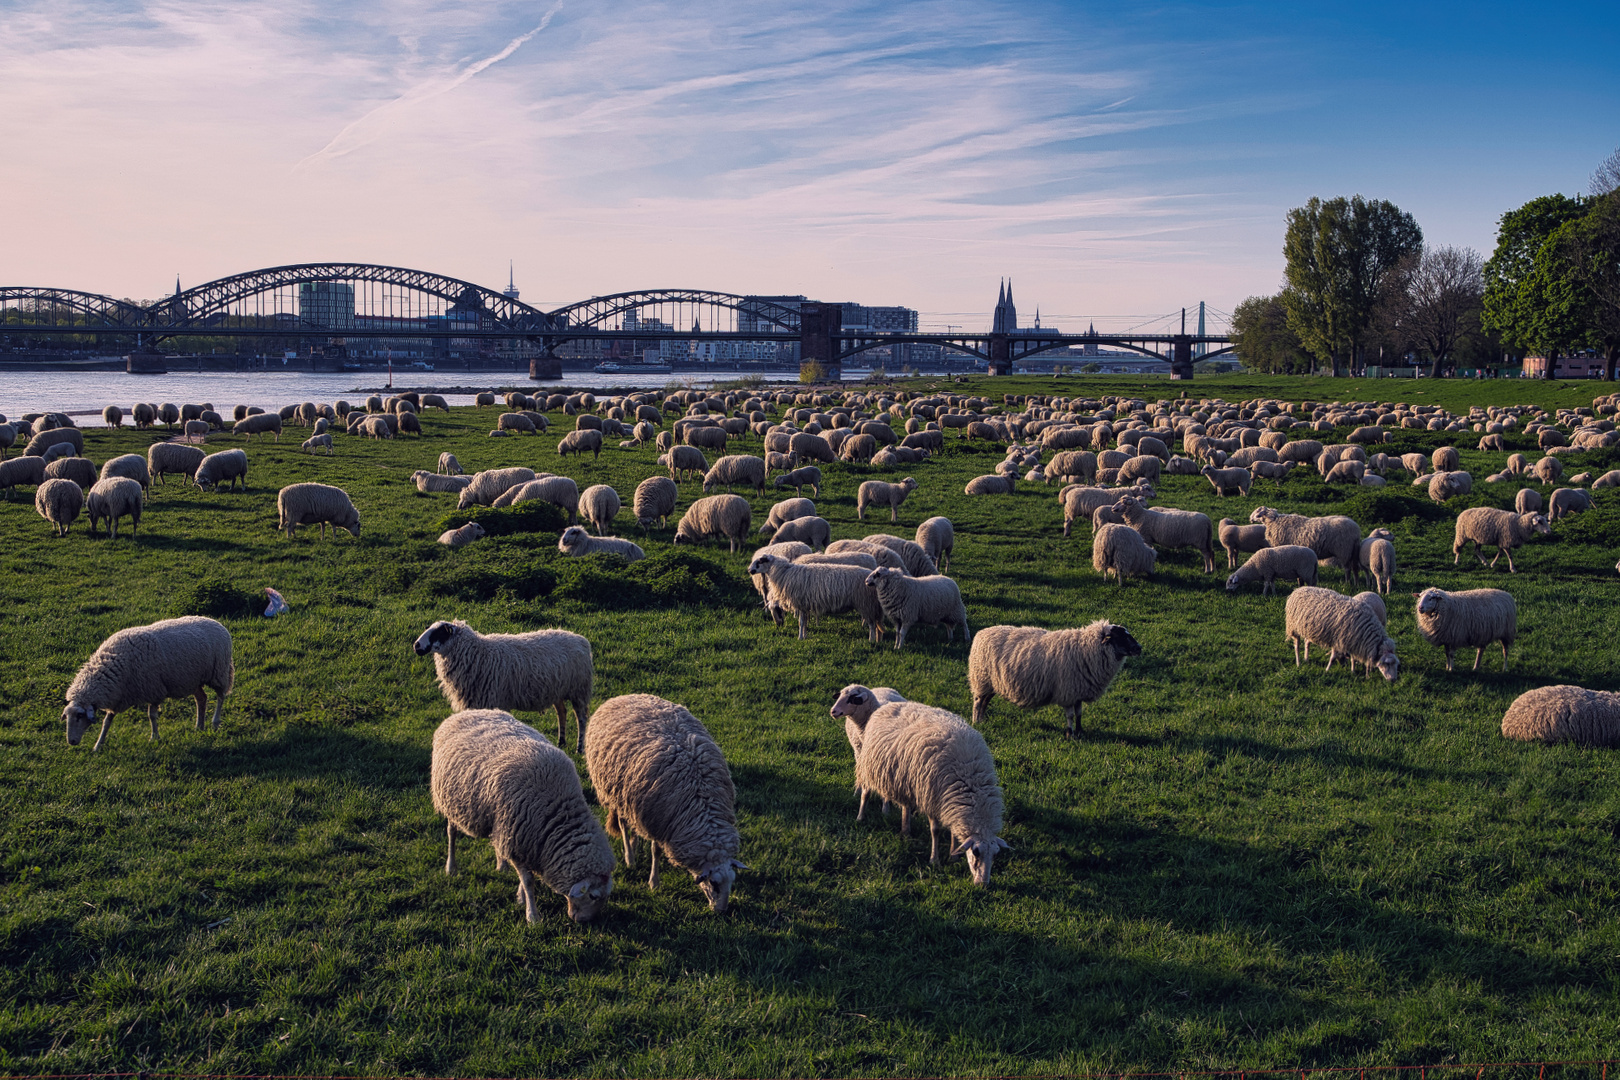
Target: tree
point(1582, 258)
point(1515, 303)
point(1342, 256)
point(1443, 292)
point(1263, 340)
point(1606, 177)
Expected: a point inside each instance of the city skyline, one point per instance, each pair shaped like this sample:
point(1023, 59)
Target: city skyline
point(905, 155)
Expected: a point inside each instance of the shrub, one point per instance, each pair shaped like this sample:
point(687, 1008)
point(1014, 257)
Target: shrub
point(1596, 526)
point(217, 599)
point(664, 578)
point(1375, 506)
point(525, 517)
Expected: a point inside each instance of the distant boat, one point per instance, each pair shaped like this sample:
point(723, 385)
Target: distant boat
point(421, 365)
point(607, 367)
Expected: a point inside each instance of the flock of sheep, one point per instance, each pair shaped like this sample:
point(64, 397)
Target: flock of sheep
point(654, 768)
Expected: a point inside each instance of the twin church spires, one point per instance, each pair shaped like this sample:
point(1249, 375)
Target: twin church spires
point(1006, 317)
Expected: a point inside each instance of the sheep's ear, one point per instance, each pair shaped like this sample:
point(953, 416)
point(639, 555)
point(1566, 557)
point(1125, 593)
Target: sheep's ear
point(1003, 845)
point(736, 865)
point(961, 847)
point(578, 890)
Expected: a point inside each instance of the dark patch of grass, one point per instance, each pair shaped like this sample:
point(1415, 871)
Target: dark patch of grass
point(526, 517)
point(216, 599)
point(1373, 506)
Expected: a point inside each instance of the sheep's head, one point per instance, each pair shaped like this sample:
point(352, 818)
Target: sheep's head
point(1232, 583)
point(1262, 514)
point(1121, 641)
point(1388, 665)
point(876, 577)
point(1429, 601)
point(762, 564)
point(716, 883)
point(856, 702)
point(587, 898)
point(909, 483)
point(437, 638)
point(78, 718)
point(1538, 523)
point(980, 854)
point(572, 537)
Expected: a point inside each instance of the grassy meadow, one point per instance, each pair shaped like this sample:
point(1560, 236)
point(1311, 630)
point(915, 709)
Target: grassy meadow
point(1240, 863)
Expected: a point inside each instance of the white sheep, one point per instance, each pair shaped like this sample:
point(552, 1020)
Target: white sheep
point(576, 542)
point(733, 469)
point(762, 584)
point(1555, 714)
point(1344, 626)
point(599, 504)
point(113, 498)
point(812, 590)
point(132, 466)
point(448, 465)
point(317, 442)
point(937, 538)
point(815, 531)
point(786, 510)
point(989, 485)
point(1120, 550)
point(1336, 539)
point(912, 556)
point(227, 466)
point(654, 501)
point(1225, 480)
point(1270, 563)
point(906, 601)
point(658, 773)
point(429, 483)
point(1033, 668)
point(148, 665)
point(1477, 617)
point(165, 457)
point(59, 501)
point(538, 670)
point(727, 516)
point(1446, 484)
point(462, 536)
point(1486, 526)
point(489, 485)
point(1239, 539)
point(687, 459)
point(493, 776)
point(315, 504)
point(882, 493)
point(1169, 528)
point(807, 476)
point(1377, 559)
point(1567, 501)
point(855, 706)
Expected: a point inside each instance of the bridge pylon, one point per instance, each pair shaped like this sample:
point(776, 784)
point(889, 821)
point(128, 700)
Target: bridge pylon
point(1000, 354)
point(819, 327)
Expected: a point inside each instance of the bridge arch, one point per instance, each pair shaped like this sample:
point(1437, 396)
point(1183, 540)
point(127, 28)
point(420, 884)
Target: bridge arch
point(19, 302)
point(599, 311)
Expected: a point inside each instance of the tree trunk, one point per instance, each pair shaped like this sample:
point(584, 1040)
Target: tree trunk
point(1438, 369)
point(1552, 362)
point(1610, 360)
point(1338, 364)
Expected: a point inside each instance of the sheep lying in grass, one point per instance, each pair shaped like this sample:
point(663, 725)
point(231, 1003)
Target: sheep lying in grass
point(429, 483)
point(990, 485)
point(1478, 617)
point(540, 670)
point(906, 601)
point(148, 665)
point(1555, 714)
point(462, 536)
point(1345, 627)
point(1033, 668)
point(576, 542)
point(1287, 561)
point(493, 776)
point(1485, 526)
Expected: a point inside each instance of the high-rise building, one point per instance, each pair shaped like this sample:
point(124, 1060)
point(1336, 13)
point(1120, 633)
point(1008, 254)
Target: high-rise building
point(326, 305)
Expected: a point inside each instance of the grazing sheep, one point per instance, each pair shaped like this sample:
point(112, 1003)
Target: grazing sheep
point(491, 484)
point(1169, 528)
point(1120, 549)
point(906, 601)
point(538, 670)
point(1488, 527)
point(580, 441)
point(195, 429)
point(148, 665)
point(881, 554)
point(8, 438)
point(577, 542)
point(929, 761)
point(225, 467)
point(937, 539)
point(407, 423)
point(1225, 480)
point(131, 466)
point(658, 773)
point(315, 504)
point(448, 465)
point(316, 442)
point(1141, 467)
point(1033, 668)
point(50, 437)
point(113, 416)
point(435, 401)
point(599, 504)
point(515, 421)
point(814, 531)
point(429, 483)
point(559, 491)
point(462, 536)
point(1346, 627)
point(59, 451)
point(913, 558)
point(493, 776)
point(1528, 501)
point(81, 471)
point(113, 498)
point(1270, 563)
point(843, 558)
point(806, 477)
point(59, 502)
point(1080, 502)
point(1445, 459)
point(1443, 485)
point(1336, 539)
point(686, 459)
point(19, 471)
point(1555, 714)
point(811, 447)
point(727, 516)
point(989, 485)
point(1377, 559)
point(258, 424)
point(733, 469)
point(1236, 539)
point(1607, 480)
point(1548, 470)
point(1492, 442)
point(810, 590)
point(1078, 464)
point(654, 500)
point(1346, 472)
point(145, 415)
point(1567, 501)
point(882, 493)
point(786, 510)
point(1477, 617)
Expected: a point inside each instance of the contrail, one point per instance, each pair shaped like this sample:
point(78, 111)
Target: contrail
point(355, 135)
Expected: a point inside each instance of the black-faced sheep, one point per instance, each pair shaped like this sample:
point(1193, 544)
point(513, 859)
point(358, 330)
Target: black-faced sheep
point(1033, 668)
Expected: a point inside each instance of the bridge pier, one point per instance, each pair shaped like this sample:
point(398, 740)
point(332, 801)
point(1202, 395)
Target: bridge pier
point(1181, 357)
point(819, 325)
point(1000, 354)
point(545, 367)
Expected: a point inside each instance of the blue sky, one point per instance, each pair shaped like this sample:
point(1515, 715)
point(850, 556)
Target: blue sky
point(1117, 161)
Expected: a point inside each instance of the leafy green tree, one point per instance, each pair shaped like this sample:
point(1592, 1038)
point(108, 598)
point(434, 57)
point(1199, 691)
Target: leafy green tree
point(1582, 271)
point(1520, 273)
point(1342, 257)
point(1263, 340)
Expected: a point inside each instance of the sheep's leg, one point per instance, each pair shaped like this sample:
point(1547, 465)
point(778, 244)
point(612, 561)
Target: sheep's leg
point(152, 715)
point(1295, 641)
point(1073, 716)
point(562, 724)
point(1509, 554)
point(1478, 653)
point(1449, 652)
point(1504, 655)
point(933, 842)
point(219, 707)
point(905, 820)
point(526, 895)
point(652, 878)
point(581, 718)
point(900, 636)
point(1333, 654)
point(860, 812)
point(106, 725)
point(804, 627)
point(202, 706)
point(894, 513)
point(450, 843)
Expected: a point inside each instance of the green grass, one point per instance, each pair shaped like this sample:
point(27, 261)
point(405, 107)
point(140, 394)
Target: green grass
point(1240, 863)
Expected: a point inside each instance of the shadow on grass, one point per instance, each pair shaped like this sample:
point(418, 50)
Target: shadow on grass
point(305, 753)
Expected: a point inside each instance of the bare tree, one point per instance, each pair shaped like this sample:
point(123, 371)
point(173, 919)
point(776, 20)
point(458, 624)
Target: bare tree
point(1444, 291)
point(1606, 177)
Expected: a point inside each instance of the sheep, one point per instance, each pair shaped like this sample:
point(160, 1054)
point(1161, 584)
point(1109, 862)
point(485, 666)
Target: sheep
point(57, 452)
point(855, 705)
point(538, 670)
point(258, 424)
point(1607, 480)
point(316, 442)
point(1548, 470)
point(929, 761)
point(686, 459)
point(491, 484)
point(1237, 538)
point(937, 539)
point(1346, 472)
point(59, 501)
point(913, 558)
point(113, 416)
point(448, 465)
point(1336, 539)
point(733, 469)
point(131, 466)
point(989, 485)
point(579, 441)
point(112, 499)
point(1033, 668)
point(762, 585)
point(1555, 714)
point(577, 542)
point(227, 466)
point(1080, 502)
point(462, 536)
point(145, 415)
point(1528, 501)
point(435, 401)
point(559, 491)
point(1120, 549)
point(813, 590)
point(882, 493)
point(727, 516)
point(81, 471)
point(429, 483)
point(1169, 528)
point(599, 503)
point(1476, 617)
point(807, 476)
point(786, 510)
point(865, 560)
point(494, 776)
point(658, 773)
point(148, 665)
point(312, 504)
point(1492, 442)
point(49, 437)
point(1567, 501)
point(1445, 459)
point(514, 421)
point(1270, 563)
point(811, 447)
point(654, 500)
point(814, 531)
point(23, 470)
point(8, 438)
point(906, 601)
point(1443, 485)
point(881, 554)
point(1488, 527)
point(1081, 464)
point(1141, 467)
point(1346, 627)
point(1377, 559)
point(195, 429)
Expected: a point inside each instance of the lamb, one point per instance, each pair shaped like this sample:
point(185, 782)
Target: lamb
point(373, 427)
point(1033, 668)
point(57, 452)
point(195, 429)
point(1346, 472)
point(537, 670)
point(937, 539)
point(1169, 528)
point(1270, 563)
point(559, 491)
point(599, 503)
point(1567, 501)
point(658, 773)
point(732, 469)
point(579, 441)
point(654, 500)
point(1121, 550)
point(462, 536)
point(258, 424)
point(1488, 527)
point(929, 761)
point(729, 516)
point(491, 484)
point(113, 498)
point(148, 665)
point(1346, 627)
point(448, 465)
point(44, 440)
point(807, 476)
point(1336, 539)
point(912, 557)
point(429, 483)
point(1237, 539)
point(1141, 467)
point(316, 442)
point(312, 504)
point(1224, 480)
point(906, 601)
point(1477, 617)
point(59, 502)
point(1377, 559)
point(81, 471)
point(687, 459)
point(577, 542)
point(132, 466)
point(23, 470)
point(1555, 714)
point(989, 485)
point(227, 466)
point(493, 776)
point(882, 493)
point(813, 590)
